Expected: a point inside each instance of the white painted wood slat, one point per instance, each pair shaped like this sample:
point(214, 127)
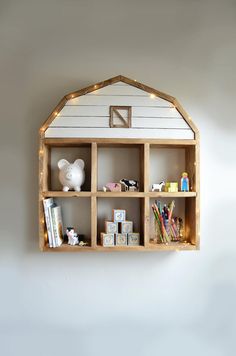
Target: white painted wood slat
point(118, 100)
point(104, 111)
point(119, 90)
point(119, 133)
point(64, 121)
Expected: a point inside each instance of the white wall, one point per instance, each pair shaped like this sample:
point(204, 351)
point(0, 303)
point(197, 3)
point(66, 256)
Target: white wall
point(122, 303)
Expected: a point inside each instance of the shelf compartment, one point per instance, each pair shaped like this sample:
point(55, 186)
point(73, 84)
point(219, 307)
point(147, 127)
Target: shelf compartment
point(75, 213)
point(180, 210)
point(116, 162)
point(70, 154)
point(133, 207)
point(167, 164)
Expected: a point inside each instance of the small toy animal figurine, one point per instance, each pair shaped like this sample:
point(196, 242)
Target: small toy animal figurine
point(72, 236)
point(130, 184)
point(71, 175)
point(158, 186)
point(82, 243)
point(112, 187)
point(184, 182)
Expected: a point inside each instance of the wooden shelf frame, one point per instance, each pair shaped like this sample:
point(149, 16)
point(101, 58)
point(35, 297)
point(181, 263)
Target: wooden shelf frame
point(191, 198)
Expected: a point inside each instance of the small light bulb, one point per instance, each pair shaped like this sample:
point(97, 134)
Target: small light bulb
point(42, 129)
point(72, 96)
point(55, 113)
point(41, 152)
point(95, 86)
point(152, 96)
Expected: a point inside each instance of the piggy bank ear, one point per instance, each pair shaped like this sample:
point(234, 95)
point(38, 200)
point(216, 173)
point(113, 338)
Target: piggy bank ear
point(80, 163)
point(62, 163)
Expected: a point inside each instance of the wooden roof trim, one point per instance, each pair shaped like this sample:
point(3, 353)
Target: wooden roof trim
point(147, 89)
point(93, 87)
point(53, 115)
point(186, 118)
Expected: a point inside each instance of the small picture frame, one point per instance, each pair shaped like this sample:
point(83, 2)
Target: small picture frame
point(107, 239)
point(134, 239)
point(121, 240)
point(111, 227)
point(126, 227)
point(119, 215)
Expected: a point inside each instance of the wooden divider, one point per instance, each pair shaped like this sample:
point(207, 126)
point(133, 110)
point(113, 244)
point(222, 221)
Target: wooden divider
point(94, 173)
point(146, 212)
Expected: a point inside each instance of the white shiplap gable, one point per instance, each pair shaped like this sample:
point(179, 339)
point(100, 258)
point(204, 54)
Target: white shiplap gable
point(88, 116)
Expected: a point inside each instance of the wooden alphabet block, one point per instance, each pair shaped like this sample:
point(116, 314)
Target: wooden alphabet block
point(171, 187)
point(121, 239)
point(126, 227)
point(111, 227)
point(119, 215)
point(107, 239)
point(134, 239)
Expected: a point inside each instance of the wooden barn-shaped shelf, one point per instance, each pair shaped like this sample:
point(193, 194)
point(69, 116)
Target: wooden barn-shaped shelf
point(121, 129)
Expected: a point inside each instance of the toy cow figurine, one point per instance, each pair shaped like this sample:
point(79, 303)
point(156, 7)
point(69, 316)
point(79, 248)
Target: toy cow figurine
point(72, 236)
point(129, 184)
point(158, 186)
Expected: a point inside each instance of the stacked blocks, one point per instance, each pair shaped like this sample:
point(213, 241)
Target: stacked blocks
point(119, 232)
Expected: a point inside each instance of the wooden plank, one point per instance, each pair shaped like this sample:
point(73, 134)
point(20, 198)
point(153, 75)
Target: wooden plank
point(137, 122)
point(46, 167)
point(146, 164)
point(172, 195)
point(150, 248)
point(119, 194)
point(103, 111)
point(182, 134)
point(197, 184)
point(73, 142)
point(146, 221)
point(93, 221)
point(94, 167)
point(42, 236)
point(101, 194)
point(61, 194)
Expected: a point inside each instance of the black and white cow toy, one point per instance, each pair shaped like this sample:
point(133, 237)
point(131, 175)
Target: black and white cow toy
point(129, 184)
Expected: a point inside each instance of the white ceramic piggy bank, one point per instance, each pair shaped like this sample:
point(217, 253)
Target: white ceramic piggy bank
point(71, 175)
